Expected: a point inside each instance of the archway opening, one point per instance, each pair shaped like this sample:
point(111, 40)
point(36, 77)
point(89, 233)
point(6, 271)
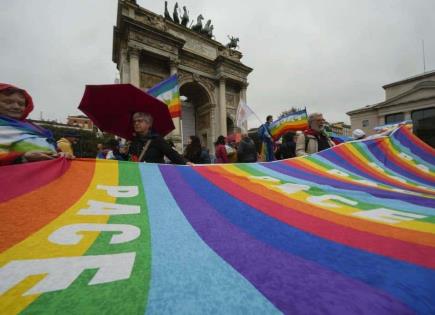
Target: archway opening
point(195, 112)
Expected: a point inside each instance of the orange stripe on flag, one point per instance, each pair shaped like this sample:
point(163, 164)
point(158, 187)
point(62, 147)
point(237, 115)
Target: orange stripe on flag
point(24, 215)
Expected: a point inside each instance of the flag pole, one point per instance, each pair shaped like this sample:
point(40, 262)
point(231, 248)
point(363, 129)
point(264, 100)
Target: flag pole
point(258, 118)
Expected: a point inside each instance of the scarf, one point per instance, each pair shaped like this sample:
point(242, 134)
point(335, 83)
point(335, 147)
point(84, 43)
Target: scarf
point(18, 137)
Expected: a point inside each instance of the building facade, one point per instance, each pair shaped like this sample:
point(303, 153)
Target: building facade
point(409, 99)
point(148, 48)
point(81, 121)
point(341, 129)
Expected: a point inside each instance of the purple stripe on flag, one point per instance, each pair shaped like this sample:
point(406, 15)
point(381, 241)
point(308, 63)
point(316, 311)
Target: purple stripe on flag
point(293, 284)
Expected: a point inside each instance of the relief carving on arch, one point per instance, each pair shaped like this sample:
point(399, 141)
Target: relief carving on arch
point(184, 77)
point(153, 20)
point(195, 64)
point(204, 120)
point(230, 100)
point(230, 53)
point(209, 85)
point(152, 42)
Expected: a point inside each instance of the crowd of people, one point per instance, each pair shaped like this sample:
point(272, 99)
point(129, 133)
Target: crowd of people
point(22, 141)
point(312, 140)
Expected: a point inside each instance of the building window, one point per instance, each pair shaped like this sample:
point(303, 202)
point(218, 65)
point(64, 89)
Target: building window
point(423, 121)
point(420, 114)
point(365, 123)
point(394, 118)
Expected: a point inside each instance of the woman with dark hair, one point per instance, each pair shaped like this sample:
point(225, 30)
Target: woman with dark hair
point(287, 149)
point(195, 153)
point(246, 152)
point(221, 151)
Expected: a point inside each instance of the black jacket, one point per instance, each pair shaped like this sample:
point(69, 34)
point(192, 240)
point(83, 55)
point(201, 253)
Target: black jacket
point(201, 156)
point(246, 152)
point(287, 150)
point(156, 151)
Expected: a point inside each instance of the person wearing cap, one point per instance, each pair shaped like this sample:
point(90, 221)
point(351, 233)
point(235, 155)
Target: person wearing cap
point(20, 140)
point(358, 134)
point(117, 151)
point(65, 144)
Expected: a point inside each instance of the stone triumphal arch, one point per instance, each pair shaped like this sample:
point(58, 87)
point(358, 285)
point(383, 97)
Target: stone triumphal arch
point(148, 48)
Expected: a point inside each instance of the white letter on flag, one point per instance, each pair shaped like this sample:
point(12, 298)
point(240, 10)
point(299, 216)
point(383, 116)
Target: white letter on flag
point(120, 191)
point(107, 208)
point(61, 272)
point(69, 234)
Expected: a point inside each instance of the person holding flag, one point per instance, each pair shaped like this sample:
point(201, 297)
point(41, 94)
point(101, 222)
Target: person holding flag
point(267, 140)
point(264, 133)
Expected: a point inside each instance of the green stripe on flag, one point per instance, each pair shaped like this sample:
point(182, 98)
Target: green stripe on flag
point(118, 297)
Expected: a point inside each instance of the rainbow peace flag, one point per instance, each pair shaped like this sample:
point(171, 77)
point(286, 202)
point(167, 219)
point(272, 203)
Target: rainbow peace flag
point(350, 230)
point(19, 137)
point(167, 91)
point(339, 138)
point(291, 122)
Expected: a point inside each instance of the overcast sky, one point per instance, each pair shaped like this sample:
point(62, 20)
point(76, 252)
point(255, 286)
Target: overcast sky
point(331, 56)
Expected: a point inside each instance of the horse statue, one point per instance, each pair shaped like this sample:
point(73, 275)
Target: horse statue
point(167, 15)
point(233, 42)
point(175, 14)
point(198, 26)
point(210, 32)
point(206, 28)
point(185, 18)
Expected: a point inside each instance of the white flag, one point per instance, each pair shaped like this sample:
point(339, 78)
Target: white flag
point(243, 113)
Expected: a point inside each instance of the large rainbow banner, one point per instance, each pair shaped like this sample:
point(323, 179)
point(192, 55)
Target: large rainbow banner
point(350, 230)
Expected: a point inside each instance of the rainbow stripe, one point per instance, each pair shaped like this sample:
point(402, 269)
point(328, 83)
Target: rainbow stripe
point(291, 122)
point(168, 92)
point(350, 230)
point(19, 137)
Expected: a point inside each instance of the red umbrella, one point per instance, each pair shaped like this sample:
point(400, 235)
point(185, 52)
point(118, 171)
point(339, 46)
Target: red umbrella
point(111, 107)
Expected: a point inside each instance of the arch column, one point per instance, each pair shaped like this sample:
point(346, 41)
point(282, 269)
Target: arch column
point(213, 127)
point(124, 69)
point(243, 89)
point(134, 66)
point(222, 107)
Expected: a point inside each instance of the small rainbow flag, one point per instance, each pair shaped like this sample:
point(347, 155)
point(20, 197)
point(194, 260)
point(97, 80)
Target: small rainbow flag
point(167, 91)
point(291, 122)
